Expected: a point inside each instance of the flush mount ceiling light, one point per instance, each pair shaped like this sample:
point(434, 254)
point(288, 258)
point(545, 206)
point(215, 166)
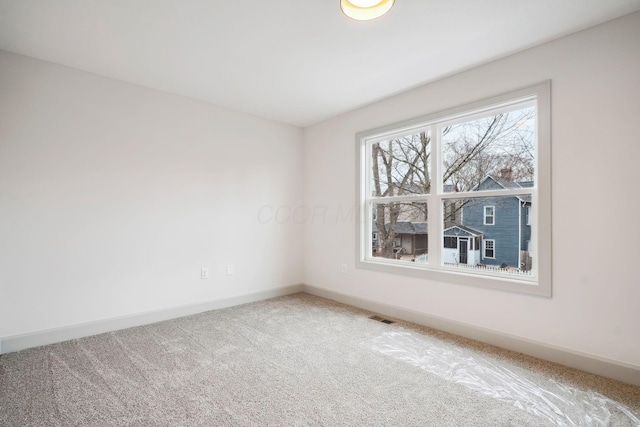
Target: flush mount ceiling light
point(363, 10)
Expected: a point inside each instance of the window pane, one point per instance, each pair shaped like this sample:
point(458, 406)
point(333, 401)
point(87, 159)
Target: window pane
point(489, 215)
point(489, 248)
point(400, 231)
point(401, 166)
point(450, 242)
point(489, 153)
point(471, 243)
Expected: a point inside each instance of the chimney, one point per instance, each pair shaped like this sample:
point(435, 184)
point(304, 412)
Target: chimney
point(506, 174)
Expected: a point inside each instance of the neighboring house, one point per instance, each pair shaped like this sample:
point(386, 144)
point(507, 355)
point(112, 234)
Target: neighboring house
point(411, 239)
point(462, 245)
point(493, 230)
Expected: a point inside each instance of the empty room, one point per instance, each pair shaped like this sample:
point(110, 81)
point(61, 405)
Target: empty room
point(319, 213)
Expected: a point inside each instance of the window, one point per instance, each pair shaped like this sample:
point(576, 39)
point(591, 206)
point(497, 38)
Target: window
point(450, 242)
point(489, 215)
point(489, 250)
point(447, 175)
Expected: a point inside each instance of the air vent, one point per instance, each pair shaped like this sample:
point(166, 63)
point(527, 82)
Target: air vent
point(381, 319)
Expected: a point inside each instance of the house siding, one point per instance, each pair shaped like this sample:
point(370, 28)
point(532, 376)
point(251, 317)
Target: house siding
point(505, 230)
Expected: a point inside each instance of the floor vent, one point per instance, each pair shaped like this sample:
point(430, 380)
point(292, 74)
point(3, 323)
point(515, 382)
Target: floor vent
point(381, 319)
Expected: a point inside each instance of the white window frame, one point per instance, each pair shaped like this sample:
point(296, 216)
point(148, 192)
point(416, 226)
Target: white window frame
point(539, 282)
point(492, 216)
point(484, 248)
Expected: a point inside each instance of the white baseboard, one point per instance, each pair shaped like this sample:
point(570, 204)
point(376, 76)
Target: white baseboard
point(50, 336)
point(609, 368)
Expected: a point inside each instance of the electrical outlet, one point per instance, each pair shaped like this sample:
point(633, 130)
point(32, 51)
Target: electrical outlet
point(229, 270)
point(343, 268)
point(204, 273)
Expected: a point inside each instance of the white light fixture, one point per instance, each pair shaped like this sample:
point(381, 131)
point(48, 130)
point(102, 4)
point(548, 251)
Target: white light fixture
point(363, 10)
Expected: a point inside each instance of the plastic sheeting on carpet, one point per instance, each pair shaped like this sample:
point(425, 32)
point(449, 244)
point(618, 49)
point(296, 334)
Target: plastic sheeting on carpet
point(559, 403)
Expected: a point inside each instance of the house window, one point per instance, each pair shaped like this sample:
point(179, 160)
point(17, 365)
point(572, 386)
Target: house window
point(450, 242)
point(489, 248)
point(489, 215)
point(450, 172)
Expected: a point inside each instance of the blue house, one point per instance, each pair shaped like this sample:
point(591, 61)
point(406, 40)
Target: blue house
point(493, 230)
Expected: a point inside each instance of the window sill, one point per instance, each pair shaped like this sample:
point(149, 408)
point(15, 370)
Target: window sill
point(522, 285)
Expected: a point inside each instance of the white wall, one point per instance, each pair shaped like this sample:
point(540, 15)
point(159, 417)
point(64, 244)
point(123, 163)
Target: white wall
point(113, 196)
point(595, 138)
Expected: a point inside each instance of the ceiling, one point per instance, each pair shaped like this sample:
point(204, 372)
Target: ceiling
point(293, 61)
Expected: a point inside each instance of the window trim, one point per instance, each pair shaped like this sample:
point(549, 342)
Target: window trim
point(541, 285)
point(484, 248)
point(492, 216)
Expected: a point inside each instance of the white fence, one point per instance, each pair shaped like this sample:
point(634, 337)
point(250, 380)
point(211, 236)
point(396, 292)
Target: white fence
point(492, 269)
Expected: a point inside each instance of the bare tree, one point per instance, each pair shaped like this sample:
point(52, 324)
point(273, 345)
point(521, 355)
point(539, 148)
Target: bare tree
point(400, 167)
point(471, 151)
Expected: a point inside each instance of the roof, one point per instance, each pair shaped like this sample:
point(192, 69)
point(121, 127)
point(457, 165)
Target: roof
point(509, 185)
point(466, 231)
point(504, 183)
point(407, 227)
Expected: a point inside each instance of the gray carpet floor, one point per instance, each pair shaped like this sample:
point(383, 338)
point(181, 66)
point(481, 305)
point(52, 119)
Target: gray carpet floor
point(298, 360)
